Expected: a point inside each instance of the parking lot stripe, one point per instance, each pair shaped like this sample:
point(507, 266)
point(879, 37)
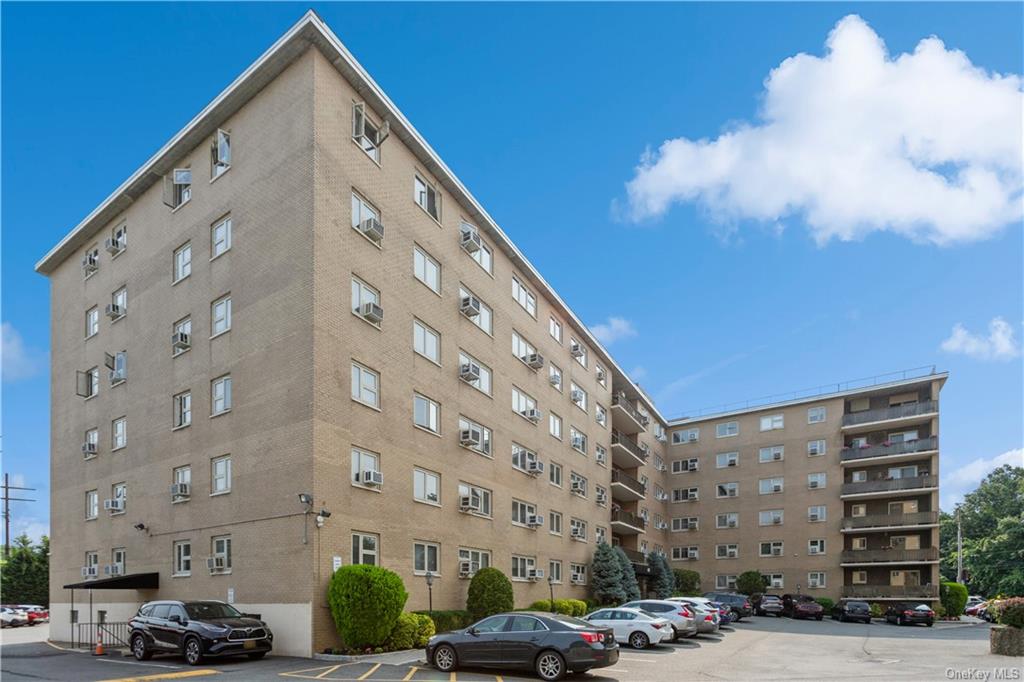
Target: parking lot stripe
point(167, 676)
point(326, 672)
point(408, 675)
point(451, 678)
point(369, 672)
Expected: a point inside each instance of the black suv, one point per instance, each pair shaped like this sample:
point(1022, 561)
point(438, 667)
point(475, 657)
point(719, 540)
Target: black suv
point(197, 629)
point(739, 604)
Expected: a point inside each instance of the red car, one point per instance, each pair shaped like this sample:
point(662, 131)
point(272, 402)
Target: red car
point(36, 614)
point(801, 606)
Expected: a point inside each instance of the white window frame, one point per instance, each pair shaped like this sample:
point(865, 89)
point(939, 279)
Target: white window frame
point(817, 447)
point(182, 558)
point(359, 551)
point(772, 545)
point(220, 237)
point(601, 414)
point(425, 337)
point(362, 460)
point(819, 543)
point(555, 425)
point(361, 392)
point(182, 262)
point(485, 495)
point(771, 482)
point(521, 567)
point(721, 463)
point(429, 482)
point(433, 413)
point(524, 296)
point(220, 475)
point(683, 436)
point(92, 322)
point(766, 455)
point(118, 433)
point(92, 504)
point(817, 579)
point(722, 550)
point(426, 269)
point(731, 489)
point(555, 371)
point(728, 429)
point(725, 582)
point(484, 384)
point(422, 189)
point(582, 403)
point(428, 566)
point(220, 395)
point(723, 520)
point(521, 511)
point(555, 474)
point(821, 511)
point(182, 410)
point(766, 517)
point(183, 326)
point(485, 319)
point(220, 545)
point(363, 293)
point(220, 316)
point(486, 436)
point(773, 422)
point(554, 522)
point(817, 415)
point(220, 154)
point(555, 571)
point(819, 476)
point(555, 329)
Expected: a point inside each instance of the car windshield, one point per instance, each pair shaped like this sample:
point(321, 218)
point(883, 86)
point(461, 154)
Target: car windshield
point(922, 607)
point(205, 610)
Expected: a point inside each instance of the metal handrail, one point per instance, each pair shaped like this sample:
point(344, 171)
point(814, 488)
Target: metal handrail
point(883, 520)
point(630, 445)
point(619, 400)
point(635, 556)
point(889, 555)
point(907, 483)
point(115, 634)
point(628, 481)
point(883, 449)
point(909, 591)
point(628, 518)
point(882, 414)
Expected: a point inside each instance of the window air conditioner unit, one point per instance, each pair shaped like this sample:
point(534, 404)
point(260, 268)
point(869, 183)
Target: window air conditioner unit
point(645, 420)
point(731, 524)
point(600, 457)
point(661, 526)
point(534, 521)
point(812, 550)
point(216, 563)
point(731, 463)
point(602, 498)
point(535, 467)
point(113, 246)
point(812, 451)
point(89, 571)
point(776, 520)
point(576, 350)
point(469, 372)
point(776, 488)
point(179, 490)
point(662, 497)
point(470, 306)
point(812, 484)
point(576, 396)
point(691, 524)
point(535, 574)
point(470, 241)
point(88, 449)
point(776, 551)
point(577, 488)
point(371, 312)
point(731, 553)
point(114, 311)
point(555, 380)
point(578, 534)
point(577, 443)
point(813, 583)
point(114, 505)
point(814, 517)
point(576, 580)
point(468, 568)
point(375, 478)
point(468, 503)
point(113, 569)
point(692, 438)
point(661, 438)
point(693, 465)
point(90, 264)
point(181, 341)
point(372, 228)
point(469, 437)
point(535, 360)
point(532, 414)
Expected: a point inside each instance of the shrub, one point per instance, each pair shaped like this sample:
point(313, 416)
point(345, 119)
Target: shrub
point(490, 592)
point(424, 630)
point(579, 607)
point(606, 576)
point(687, 582)
point(749, 582)
point(629, 583)
point(876, 610)
point(826, 603)
point(544, 605)
point(940, 610)
point(953, 597)
point(365, 601)
point(403, 635)
point(444, 621)
point(1011, 612)
point(662, 580)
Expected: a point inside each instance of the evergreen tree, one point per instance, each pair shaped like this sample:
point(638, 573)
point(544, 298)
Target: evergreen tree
point(26, 573)
point(750, 582)
point(629, 584)
point(662, 580)
point(606, 576)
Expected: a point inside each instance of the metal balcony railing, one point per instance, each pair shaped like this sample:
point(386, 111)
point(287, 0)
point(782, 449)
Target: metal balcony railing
point(885, 449)
point(883, 520)
point(892, 591)
point(629, 444)
point(851, 556)
point(886, 413)
point(621, 401)
point(887, 484)
point(629, 518)
point(635, 556)
point(628, 481)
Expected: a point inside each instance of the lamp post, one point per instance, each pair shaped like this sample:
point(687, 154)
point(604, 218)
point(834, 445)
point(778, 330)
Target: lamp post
point(430, 592)
point(551, 588)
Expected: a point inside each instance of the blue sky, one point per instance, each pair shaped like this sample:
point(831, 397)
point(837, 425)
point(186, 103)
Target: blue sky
point(545, 112)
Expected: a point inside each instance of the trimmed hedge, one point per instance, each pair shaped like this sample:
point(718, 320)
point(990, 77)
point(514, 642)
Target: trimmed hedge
point(403, 635)
point(424, 630)
point(1011, 612)
point(876, 610)
point(826, 603)
point(366, 602)
point(445, 621)
point(953, 597)
point(687, 582)
point(490, 592)
point(567, 607)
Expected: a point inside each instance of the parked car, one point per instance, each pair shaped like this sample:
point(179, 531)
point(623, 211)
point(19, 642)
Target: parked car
point(36, 614)
point(725, 614)
point(903, 614)
point(705, 615)
point(682, 616)
point(197, 629)
point(974, 600)
point(12, 618)
point(769, 605)
point(550, 644)
point(801, 606)
point(852, 609)
point(740, 604)
point(640, 628)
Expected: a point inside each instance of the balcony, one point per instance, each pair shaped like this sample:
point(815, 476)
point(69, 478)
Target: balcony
point(891, 591)
point(866, 557)
point(887, 417)
point(626, 488)
point(625, 417)
point(626, 453)
point(889, 452)
point(889, 485)
point(636, 557)
point(891, 521)
point(627, 523)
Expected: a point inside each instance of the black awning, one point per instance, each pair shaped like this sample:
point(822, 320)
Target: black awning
point(135, 581)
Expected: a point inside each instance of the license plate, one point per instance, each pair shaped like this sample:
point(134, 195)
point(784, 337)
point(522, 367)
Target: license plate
point(249, 644)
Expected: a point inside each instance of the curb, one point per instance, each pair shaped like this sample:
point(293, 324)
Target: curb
point(390, 658)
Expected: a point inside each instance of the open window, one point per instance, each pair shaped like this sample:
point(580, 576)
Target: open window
point(178, 187)
point(367, 134)
point(220, 153)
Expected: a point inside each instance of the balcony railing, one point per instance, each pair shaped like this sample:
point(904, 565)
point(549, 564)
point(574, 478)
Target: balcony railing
point(891, 591)
point(884, 520)
point(629, 444)
point(630, 482)
point(854, 556)
point(628, 518)
point(635, 556)
point(894, 484)
point(619, 400)
point(886, 449)
point(888, 413)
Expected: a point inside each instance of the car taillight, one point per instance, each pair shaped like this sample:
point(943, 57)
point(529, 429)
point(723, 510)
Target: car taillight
point(685, 613)
point(908, 613)
point(746, 605)
point(708, 617)
point(656, 626)
point(592, 637)
point(931, 613)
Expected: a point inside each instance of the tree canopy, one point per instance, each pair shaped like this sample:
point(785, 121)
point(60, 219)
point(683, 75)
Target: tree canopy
point(26, 573)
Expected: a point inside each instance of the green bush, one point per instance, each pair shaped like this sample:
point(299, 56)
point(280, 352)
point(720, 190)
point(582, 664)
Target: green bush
point(579, 607)
point(543, 605)
point(366, 602)
point(424, 630)
point(750, 582)
point(953, 597)
point(490, 592)
point(687, 582)
point(826, 603)
point(877, 611)
point(403, 635)
point(940, 610)
point(445, 621)
point(1011, 612)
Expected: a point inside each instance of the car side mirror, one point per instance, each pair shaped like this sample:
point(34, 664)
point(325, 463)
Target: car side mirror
point(472, 631)
point(175, 618)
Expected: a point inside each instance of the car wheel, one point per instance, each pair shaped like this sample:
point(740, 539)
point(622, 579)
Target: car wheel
point(193, 651)
point(257, 655)
point(139, 650)
point(639, 640)
point(928, 624)
point(818, 617)
point(444, 658)
point(550, 666)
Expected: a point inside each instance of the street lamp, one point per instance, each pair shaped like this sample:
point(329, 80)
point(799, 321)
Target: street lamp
point(551, 588)
point(430, 592)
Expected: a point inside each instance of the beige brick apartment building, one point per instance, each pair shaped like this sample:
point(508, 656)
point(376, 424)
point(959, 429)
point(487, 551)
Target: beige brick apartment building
point(296, 297)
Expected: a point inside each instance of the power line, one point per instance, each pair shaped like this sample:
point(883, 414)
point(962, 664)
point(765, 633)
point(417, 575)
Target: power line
point(7, 488)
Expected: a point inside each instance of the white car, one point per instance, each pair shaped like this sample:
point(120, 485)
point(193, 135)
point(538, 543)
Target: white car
point(707, 616)
point(680, 615)
point(12, 618)
point(640, 628)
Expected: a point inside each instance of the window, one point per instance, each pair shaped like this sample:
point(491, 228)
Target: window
point(578, 396)
point(555, 521)
point(816, 579)
point(479, 558)
point(578, 529)
point(817, 480)
point(601, 495)
point(521, 348)
point(601, 415)
point(220, 316)
point(579, 352)
point(727, 520)
point(118, 557)
point(858, 476)
point(600, 454)
point(685, 523)
point(92, 322)
point(521, 457)
point(119, 301)
point(727, 490)
point(578, 440)
point(220, 394)
point(363, 462)
point(88, 382)
point(425, 557)
point(474, 372)
point(426, 269)
point(768, 486)
point(727, 429)
point(481, 497)
point(816, 546)
point(577, 484)
point(119, 237)
point(775, 580)
point(727, 551)
point(903, 436)
point(364, 214)
point(521, 567)
point(427, 198)
point(775, 453)
point(481, 315)
point(364, 295)
point(555, 376)
point(772, 548)
point(183, 262)
point(601, 534)
point(220, 153)
point(685, 553)
point(858, 510)
point(426, 341)
point(182, 475)
point(685, 436)
point(772, 422)
point(479, 436)
point(555, 474)
point(602, 378)
point(555, 571)
point(119, 433)
point(725, 582)
point(426, 413)
point(818, 513)
point(682, 466)
point(685, 494)
point(555, 329)
point(365, 548)
point(578, 573)
point(904, 507)
point(118, 366)
point(815, 448)
point(522, 511)
point(860, 543)
point(220, 546)
point(815, 415)
point(771, 517)
point(183, 327)
point(727, 459)
point(183, 557)
point(92, 438)
point(365, 385)
point(178, 187)
point(524, 296)
point(367, 134)
point(555, 425)
point(182, 410)
point(426, 486)
point(220, 475)
point(220, 237)
point(522, 403)
point(91, 261)
point(92, 504)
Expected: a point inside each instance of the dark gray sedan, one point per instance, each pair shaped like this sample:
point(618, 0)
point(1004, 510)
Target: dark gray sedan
point(550, 644)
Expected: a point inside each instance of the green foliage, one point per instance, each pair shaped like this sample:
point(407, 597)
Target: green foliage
point(749, 582)
point(567, 607)
point(687, 582)
point(366, 602)
point(424, 630)
point(26, 574)
point(953, 597)
point(445, 621)
point(995, 563)
point(544, 605)
point(629, 584)
point(877, 610)
point(940, 610)
point(403, 635)
point(1011, 612)
point(579, 607)
point(490, 592)
point(826, 603)
point(606, 579)
point(663, 582)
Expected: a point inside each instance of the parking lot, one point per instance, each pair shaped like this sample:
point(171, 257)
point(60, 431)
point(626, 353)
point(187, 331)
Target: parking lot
point(758, 649)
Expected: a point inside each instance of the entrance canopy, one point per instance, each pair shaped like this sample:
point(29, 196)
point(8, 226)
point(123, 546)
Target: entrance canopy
point(135, 581)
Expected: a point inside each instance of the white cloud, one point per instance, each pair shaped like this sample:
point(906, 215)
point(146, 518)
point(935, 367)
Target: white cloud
point(923, 144)
point(18, 360)
point(960, 481)
point(999, 345)
point(33, 527)
point(613, 329)
point(637, 373)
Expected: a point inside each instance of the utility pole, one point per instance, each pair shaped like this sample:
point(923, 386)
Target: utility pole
point(959, 549)
point(7, 511)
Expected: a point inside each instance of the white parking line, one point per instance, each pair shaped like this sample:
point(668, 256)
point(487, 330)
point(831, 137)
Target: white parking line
point(148, 665)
